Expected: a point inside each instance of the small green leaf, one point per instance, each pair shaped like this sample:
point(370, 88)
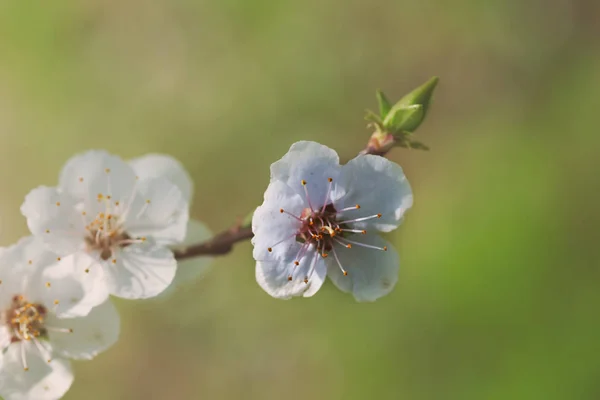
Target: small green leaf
point(404, 118)
point(371, 116)
point(417, 145)
point(384, 104)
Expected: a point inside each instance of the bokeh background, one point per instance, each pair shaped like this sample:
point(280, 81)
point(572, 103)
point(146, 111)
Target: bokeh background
point(499, 286)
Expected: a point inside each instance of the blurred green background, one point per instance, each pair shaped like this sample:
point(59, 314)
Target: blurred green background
point(499, 289)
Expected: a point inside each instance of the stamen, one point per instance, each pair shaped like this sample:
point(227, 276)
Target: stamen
point(364, 232)
point(354, 207)
point(346, 245)
point(327, 195)
point(289, 213)
point(360, 219)
point(368, 246)
point(58, 330)
point(270, 249)
point(23, 358)
point(301, 253)
point(307, 196)
point(120, 243)
point(129, 200)
point(43, 351)
point(338, 262)
point(144, 208)
point(312, 267)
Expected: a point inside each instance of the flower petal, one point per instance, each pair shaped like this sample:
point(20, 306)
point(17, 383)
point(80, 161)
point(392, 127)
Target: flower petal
point(73, 286)
point(141, 271)
point(272, 228)
point(52, 216)
point(274, 276)
point(43, 380)
point(311, 162)
point(162, 165)
point(379, 186)
point(371, 273)
point(90, 335)
point(5, 338)
point(96, 171)
point(162, 214)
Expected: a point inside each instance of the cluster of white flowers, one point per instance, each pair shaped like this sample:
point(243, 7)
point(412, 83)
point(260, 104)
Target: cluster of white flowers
point(110, 227)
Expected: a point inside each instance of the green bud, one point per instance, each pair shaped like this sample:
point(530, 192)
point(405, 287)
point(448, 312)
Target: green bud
point(395, 124)
point(421, 95)
point(384, 104)
point(409, 112)
point(406, 118)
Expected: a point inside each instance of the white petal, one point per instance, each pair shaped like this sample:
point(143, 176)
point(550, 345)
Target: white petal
point(273, 276)
point(96, 172)
point(20, 268)
point(313, 163)
point(371, 273)
point(52, 216)
point(141, 271)
point(162, 214)
point(74, 285)
point(273, 229)
point(193, 268)
point(379, 186)
point(43, 381)
point(5, 338)
point(91, 334)
point(162, 165)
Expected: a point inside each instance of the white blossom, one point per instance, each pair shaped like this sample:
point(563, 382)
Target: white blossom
point(114, 222)
point(36, 337)
point(321, 219)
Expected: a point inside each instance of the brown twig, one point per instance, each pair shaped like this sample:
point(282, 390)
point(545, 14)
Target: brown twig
point(223, 242)
point(219, 245)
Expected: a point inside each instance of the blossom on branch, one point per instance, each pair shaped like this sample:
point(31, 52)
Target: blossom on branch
point(118, 221)
point(46, 318)
point(321, 219)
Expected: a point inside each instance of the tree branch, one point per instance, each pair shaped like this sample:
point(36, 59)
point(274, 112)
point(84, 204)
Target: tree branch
point(219, 245)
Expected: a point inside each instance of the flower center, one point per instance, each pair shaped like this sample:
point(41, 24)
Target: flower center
point(27, 323)
point(106, 234)
point(26, 320)
point(320, 230)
